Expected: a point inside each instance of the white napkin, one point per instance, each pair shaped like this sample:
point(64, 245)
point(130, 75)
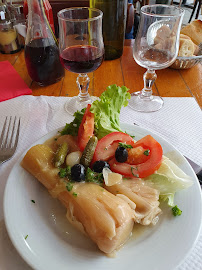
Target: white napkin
point(179, 122)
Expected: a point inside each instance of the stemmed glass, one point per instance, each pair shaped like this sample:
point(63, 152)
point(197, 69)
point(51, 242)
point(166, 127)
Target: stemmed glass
point(81, 49)
point(156, 47)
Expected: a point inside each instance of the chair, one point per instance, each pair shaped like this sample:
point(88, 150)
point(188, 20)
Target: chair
point(130, 18)
point(142, 2)
point(197, 5)
point(180, 3)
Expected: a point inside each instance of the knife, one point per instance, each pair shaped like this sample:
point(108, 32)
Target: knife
point(197, 169)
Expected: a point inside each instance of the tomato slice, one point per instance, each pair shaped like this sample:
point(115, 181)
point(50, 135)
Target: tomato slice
point(138, 155)
point(86, 128)
point(107, 146)
point(143, 169)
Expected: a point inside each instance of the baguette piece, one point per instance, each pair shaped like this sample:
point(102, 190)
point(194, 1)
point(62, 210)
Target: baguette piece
point(162, 33)
point(105, 218)
point(196, 49)
point(186, 48)
point(184, 36)
point(167, 44)
point(194, 31)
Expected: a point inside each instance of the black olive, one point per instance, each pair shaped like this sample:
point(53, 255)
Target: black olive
point(78, 173)
point(121, 154)
point(99, 165)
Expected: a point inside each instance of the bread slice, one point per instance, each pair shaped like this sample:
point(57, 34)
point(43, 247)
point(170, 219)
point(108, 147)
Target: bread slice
point(196, 51)
point(162, 33)
point(194, 31)
point(184, 36)
point(186, 48)
point(167, 45)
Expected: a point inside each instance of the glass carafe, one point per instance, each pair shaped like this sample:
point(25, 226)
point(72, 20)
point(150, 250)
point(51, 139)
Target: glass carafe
point(41, 47)
point(48, 11)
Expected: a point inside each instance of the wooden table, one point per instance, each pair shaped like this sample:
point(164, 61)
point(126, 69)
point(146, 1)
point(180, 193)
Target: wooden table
point(123, 71)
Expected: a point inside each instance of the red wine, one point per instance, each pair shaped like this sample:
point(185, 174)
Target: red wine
point(81, 59)
point(43, 62)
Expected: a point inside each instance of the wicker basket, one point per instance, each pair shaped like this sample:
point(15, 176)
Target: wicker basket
point(188, 62)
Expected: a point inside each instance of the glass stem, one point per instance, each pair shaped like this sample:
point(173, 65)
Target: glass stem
point(149, 79)
point(83, 83)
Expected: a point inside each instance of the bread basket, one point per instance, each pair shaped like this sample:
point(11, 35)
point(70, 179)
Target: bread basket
point(194, 31)
point(188, 62)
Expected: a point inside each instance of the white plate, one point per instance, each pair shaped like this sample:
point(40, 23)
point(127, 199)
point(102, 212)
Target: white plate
point(52, 243)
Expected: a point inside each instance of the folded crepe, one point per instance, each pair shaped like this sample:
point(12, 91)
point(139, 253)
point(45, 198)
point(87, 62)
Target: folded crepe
point(107, 219)
point(143, 199)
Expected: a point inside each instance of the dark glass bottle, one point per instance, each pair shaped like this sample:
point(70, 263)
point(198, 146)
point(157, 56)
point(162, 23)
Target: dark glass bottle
point(114, 24)
point(41, 47)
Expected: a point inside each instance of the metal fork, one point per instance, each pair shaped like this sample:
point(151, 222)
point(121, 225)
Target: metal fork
point(9, 138)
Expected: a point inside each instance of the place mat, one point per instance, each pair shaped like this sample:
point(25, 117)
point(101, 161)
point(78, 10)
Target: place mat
point(179, 122)
point(12, 85)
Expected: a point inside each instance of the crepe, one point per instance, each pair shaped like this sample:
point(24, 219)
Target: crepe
point(143, 199)
point(105, 218)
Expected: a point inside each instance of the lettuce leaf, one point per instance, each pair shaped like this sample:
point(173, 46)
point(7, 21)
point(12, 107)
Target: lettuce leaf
point(169, 179)
point(107, 109)
point(73, 127)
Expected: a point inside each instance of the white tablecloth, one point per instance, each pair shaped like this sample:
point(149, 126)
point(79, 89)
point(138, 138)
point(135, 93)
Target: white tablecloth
point(179, 122)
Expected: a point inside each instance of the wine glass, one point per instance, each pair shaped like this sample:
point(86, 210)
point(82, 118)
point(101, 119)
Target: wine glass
point(156, 47)
point(81, 49)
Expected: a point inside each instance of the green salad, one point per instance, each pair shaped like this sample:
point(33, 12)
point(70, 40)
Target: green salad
point(101, 119)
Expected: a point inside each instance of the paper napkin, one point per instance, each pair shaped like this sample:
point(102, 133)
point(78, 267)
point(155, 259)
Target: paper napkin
point(179, 122)
point(11, 84)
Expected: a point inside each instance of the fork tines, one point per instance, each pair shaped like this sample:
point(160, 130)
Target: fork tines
point(10, 133)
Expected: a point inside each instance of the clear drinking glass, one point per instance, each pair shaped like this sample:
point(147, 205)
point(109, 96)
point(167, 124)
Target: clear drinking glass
point(156, 47)
point(81, 49)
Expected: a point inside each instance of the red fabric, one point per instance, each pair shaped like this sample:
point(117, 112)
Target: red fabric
point(11, 84)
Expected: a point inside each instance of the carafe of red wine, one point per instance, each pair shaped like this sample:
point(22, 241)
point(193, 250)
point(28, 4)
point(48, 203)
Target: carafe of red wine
point(41, 47)
point(114, 24)
point(48, 11)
